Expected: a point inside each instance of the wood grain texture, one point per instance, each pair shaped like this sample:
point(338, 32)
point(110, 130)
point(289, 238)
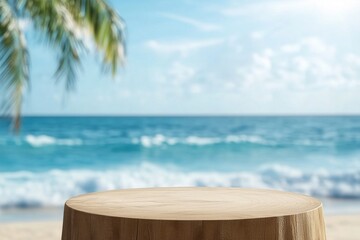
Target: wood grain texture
point(193, 214)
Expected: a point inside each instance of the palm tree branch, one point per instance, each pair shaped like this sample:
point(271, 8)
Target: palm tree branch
point(106, 27)
point(55, 21)
point(14, 62)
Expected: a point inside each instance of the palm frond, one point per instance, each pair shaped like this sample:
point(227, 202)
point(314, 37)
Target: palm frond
point(106, 27)
point(54, 20)
point(14, 62)
point(61, 23)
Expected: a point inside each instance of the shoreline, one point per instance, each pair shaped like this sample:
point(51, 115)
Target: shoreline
point(338, 226)
point(332, 207)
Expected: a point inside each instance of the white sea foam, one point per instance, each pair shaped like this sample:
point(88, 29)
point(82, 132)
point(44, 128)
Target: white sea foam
point(160, 140)
point(52, 188)
point(194, 140)
point(246, 139)
point(44, 140)
point(156, 140)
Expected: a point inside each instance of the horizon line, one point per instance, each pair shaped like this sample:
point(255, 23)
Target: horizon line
point(199, 115)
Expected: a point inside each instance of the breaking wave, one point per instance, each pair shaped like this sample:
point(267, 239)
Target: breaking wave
point(28, 189)
point(44, 140)
point(159, 139)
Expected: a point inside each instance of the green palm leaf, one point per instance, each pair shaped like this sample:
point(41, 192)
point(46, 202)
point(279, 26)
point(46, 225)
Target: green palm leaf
point(59, 32)
point(106, 26)
point(60, 23)
point(14, 62)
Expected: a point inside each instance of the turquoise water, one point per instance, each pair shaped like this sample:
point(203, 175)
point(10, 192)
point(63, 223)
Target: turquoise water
point(58, 157)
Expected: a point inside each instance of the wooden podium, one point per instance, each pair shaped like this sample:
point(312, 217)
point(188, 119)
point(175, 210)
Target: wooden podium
point(193, 214)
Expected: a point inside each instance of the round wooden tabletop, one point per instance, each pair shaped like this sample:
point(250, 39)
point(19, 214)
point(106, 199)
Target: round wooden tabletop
point(194, 203)
point(193, 214)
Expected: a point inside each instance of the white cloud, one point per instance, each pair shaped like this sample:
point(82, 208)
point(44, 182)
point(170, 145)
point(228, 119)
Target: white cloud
point(353, 59)
point(301, 63)
point(317, 46)
point(273, 7)
point(291, 48)
point(262, 60)
point(202, 26)
point(324, 8)
point(311, 45)
point(304, 65)
point(177, 79)
point(257, 35)
point(278, 78)
point(181, 47)
point(179, 73)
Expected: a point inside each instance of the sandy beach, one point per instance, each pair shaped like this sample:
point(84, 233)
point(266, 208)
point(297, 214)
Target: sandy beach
point(338, 227)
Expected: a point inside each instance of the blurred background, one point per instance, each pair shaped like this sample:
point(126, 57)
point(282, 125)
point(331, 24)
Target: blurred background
point(258, 94)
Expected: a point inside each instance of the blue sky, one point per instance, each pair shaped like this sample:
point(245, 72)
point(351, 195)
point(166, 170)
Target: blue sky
point(217, 57)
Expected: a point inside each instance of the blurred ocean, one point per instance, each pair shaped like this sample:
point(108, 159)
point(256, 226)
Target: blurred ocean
point(58, 157)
